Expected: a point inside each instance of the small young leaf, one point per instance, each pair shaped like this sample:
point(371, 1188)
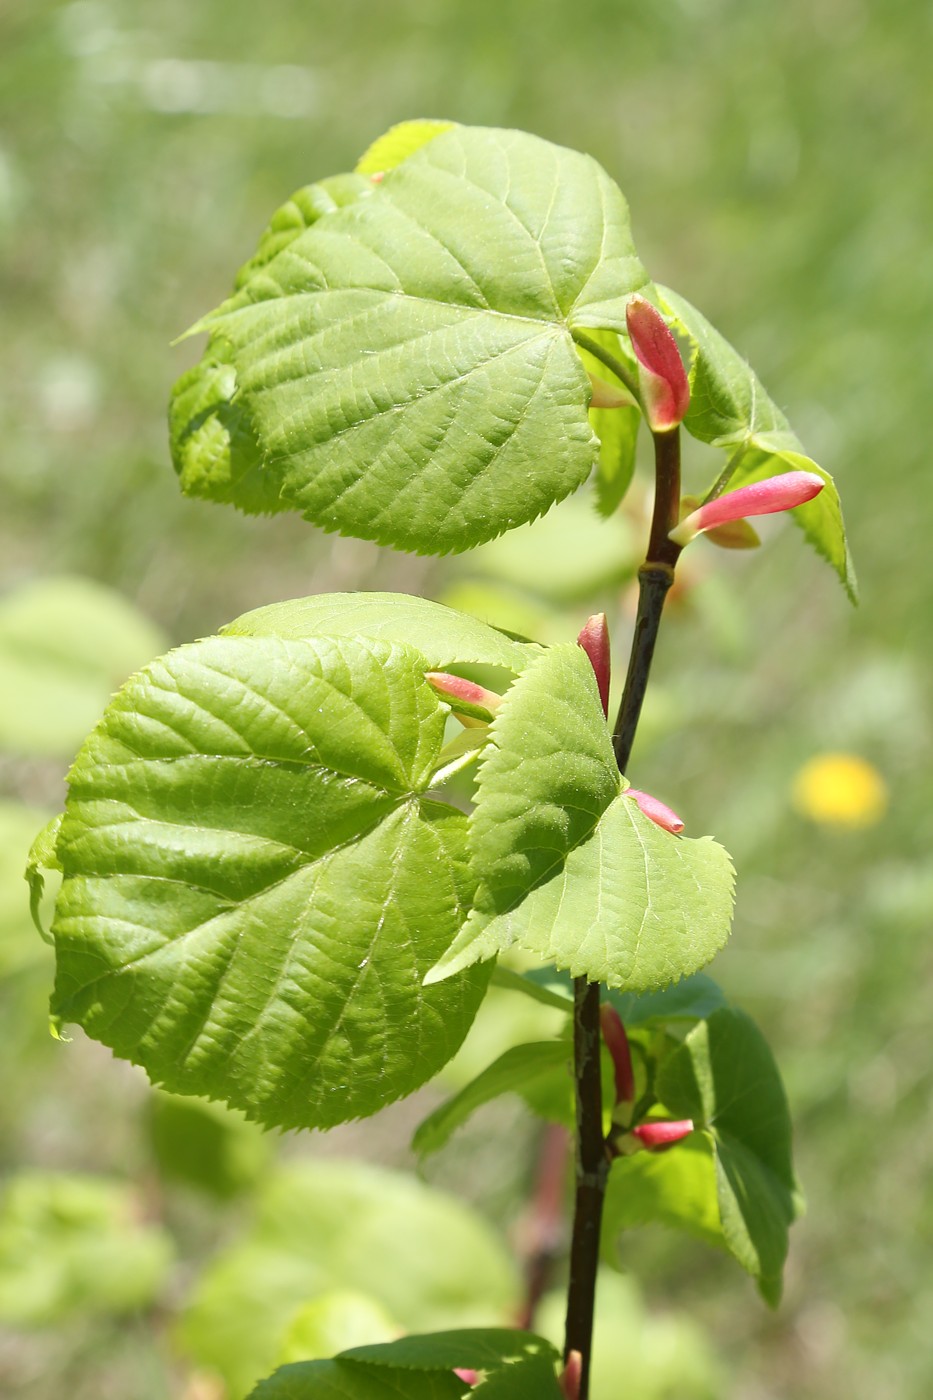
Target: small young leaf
point(730, 409)
point(568, 867)
point(443, 636)
point(398, 143)
point(396, 379)
point(517, 1071)
point(254, 883)
point(725, 1078)
point(42, 860)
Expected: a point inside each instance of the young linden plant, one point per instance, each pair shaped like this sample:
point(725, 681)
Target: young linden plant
point(267, 895)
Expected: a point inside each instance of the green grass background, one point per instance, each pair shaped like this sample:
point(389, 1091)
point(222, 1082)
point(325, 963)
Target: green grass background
point(776, 157)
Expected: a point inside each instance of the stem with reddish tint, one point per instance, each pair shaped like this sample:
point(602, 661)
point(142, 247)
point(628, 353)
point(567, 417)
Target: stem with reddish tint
point(592, 1165)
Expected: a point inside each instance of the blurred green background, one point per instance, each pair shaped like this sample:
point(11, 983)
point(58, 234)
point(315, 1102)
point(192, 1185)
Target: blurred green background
point(776, 157)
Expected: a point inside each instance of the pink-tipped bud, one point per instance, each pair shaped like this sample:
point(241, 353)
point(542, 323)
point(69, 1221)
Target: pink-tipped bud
point(378, 177)
point(607, 395)
point(594, 639)
point(655, 1135)
point(655, 811)
point(663, 379)
point(735, 534)
point(475, 701)
point(617, 1044)
point(775, 493)
point(572, 1376)
point(466, 1374)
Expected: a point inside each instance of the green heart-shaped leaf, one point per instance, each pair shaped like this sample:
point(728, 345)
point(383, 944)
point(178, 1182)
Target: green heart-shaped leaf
point(405, 365)
point(255, 883)
point(568, 867)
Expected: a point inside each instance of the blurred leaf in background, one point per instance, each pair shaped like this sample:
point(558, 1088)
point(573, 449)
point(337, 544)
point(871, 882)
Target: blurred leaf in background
point(72, 1245)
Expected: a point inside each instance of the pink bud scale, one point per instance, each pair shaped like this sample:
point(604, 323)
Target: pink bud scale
point(663, 379)
point(775, 493)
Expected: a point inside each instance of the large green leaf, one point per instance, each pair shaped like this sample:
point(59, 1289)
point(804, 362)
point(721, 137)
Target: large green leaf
point(213, 445)
point(254, 884)
point(725, 1079)
point(65, 645)
point(568, 867)
point(443, 636)
point(405, 365)
point(71, 1245)
point(730, 409)
point(428, 1259)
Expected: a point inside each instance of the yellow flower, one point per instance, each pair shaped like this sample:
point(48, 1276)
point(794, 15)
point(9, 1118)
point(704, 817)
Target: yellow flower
point(840, 789)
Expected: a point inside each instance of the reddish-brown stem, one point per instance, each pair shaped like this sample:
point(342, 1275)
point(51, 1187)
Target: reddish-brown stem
point(654, 579)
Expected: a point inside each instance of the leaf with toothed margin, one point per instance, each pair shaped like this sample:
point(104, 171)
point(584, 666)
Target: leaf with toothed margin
point(567, 866)
point(442, 635)
point(511, 1365)
point(214, 449)
point(730, 409)
point(254, 882)
point(405, 366)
